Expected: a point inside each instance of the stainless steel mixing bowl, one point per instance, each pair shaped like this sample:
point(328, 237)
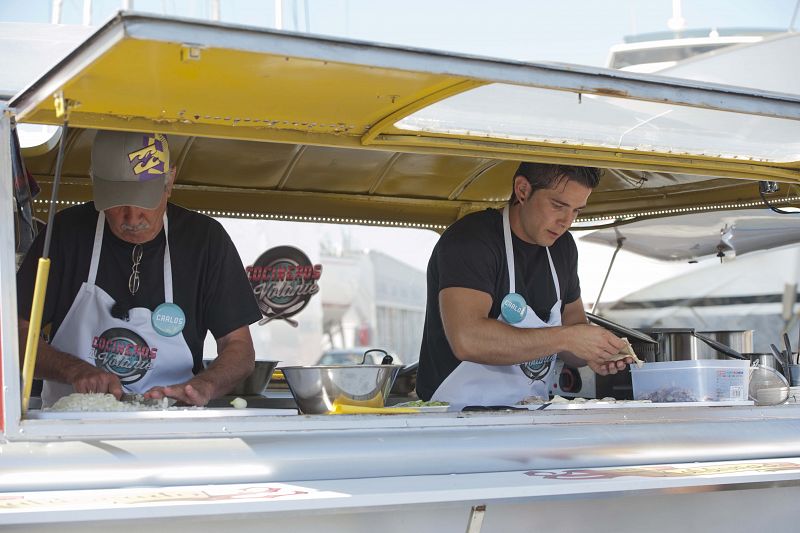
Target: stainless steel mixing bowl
point(256, 383)
point(317, 388)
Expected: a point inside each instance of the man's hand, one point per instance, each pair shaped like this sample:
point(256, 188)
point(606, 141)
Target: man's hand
point(613, 367)
point(235, 361)
point(596, 346)
point(193, 392)
point(88, 378)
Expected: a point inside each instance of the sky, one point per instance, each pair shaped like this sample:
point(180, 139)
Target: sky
point(573, 31)
point(570, 31)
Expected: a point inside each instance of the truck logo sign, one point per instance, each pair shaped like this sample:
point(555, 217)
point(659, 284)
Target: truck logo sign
point(283, 280)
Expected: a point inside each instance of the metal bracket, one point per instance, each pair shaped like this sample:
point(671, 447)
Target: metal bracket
point(63, 106)
point(768, 187)
point(475, 522)
point(190, 52)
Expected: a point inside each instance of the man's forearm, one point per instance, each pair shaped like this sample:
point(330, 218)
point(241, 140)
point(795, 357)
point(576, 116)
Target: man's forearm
point(234, 362)
point(50, 363)
point(489, 341)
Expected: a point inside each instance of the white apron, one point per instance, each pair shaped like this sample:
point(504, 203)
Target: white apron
point(132, 349)
point(478, 384)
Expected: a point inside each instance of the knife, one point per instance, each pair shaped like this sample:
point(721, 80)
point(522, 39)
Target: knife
point(492, 408)
point(149, 402)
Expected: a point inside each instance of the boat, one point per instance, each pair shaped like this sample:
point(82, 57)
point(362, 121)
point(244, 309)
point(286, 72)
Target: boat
point(726, 293)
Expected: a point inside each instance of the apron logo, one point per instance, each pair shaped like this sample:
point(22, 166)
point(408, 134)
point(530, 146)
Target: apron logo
point(124, 353)
point(283, 280)
point(538, 369)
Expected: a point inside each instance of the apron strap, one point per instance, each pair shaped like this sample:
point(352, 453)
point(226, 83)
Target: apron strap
point(510, 258)
point(512, 280)
point(98, 244)
point(167, 264)
point(555, 275)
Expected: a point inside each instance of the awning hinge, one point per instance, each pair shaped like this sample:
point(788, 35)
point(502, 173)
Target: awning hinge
point(63, 105)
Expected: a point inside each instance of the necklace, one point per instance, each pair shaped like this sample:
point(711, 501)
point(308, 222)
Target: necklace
point(136, 258)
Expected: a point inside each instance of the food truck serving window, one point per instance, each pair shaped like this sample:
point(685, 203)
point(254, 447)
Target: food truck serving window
point(301, 157)
point(543, 115)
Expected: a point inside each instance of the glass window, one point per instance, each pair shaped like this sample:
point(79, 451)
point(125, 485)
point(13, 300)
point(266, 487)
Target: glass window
point(501, 111)
point(371, 291)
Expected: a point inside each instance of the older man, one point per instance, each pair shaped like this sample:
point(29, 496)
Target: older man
point(135, 285)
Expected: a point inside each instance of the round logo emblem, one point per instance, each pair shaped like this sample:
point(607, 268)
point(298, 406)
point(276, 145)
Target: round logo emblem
point(538, 369)
point(124, 353)
point(513, 308)
point(283, 281)
point(168, 319)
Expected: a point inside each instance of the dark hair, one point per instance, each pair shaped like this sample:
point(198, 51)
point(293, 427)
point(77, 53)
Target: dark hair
point(547, 176)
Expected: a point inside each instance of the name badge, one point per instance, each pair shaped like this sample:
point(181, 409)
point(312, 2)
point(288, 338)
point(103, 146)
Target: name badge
point(513, 308)
point(168, 319)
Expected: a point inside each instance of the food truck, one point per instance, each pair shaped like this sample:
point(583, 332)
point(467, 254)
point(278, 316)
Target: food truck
point(280, 126)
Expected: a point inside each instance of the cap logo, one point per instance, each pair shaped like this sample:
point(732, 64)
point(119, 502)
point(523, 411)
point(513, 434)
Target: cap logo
point(152, 160)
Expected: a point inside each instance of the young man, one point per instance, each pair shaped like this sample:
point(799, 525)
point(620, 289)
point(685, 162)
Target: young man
point(504, 296)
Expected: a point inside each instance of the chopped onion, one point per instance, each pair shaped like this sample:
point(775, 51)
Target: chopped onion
point(239, 403)
point(101, 402)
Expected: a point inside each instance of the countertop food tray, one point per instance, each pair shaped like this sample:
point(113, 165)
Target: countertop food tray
point(633, 404)
point(422, 408)
point(180, 412)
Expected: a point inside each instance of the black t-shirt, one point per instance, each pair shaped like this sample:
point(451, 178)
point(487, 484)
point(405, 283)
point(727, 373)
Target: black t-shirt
point(209, 280)
point(471, 254)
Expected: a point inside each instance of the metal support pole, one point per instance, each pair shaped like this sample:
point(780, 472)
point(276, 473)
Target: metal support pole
point(620, 239)
point(87, 12)
point(278, 14)
point(55, 11)
point(40, 287)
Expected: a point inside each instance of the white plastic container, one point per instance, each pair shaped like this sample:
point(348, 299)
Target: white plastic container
point(691, 381)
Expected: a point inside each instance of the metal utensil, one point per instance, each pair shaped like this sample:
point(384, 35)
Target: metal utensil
point(780, 356)
point(777, 353)
point(788, 347)
point(620, 330)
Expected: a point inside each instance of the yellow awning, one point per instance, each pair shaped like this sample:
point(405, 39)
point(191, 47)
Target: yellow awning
point(273, 124)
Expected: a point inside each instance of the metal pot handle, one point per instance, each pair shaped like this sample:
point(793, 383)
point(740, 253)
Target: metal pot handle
point(718, 346)
point(387, 359)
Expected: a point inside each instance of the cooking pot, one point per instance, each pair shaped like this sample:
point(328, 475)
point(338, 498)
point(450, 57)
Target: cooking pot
point(766, 360)
point(684, 344)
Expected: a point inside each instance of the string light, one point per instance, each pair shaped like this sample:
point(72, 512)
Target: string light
point(440, 227)
point(683, 210)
